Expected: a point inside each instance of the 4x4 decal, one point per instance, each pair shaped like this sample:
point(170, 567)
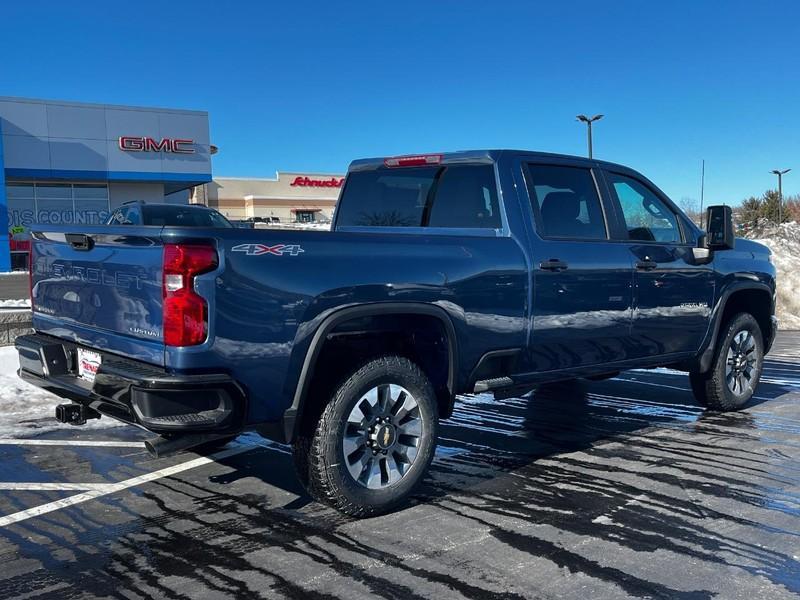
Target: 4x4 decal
point(277, 249)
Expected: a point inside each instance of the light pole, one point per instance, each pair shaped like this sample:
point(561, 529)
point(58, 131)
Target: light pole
point(589, 122)
point(780, 175)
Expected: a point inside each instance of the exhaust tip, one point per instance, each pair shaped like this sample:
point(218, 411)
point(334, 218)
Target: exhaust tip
point(160, 446)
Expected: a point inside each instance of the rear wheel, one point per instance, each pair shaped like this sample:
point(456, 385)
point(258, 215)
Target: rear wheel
point(374, 440)
point(735, 373)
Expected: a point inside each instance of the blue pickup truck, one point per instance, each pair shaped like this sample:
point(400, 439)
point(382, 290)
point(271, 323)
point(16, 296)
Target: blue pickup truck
point(445, 274)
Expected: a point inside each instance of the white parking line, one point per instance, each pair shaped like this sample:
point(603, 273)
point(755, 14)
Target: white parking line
point(37, 442)
point(117, 487)
point(52, 487)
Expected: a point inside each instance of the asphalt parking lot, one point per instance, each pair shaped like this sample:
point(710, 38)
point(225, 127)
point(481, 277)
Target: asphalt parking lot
point(593, 490)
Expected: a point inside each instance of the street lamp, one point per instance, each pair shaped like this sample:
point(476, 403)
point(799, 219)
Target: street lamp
point(589, 122)
point(780, 175)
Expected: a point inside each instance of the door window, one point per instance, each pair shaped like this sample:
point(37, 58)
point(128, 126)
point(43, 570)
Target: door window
point(647, 217)
point(565, 202)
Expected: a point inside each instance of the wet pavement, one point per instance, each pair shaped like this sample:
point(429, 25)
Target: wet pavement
point(590, 490)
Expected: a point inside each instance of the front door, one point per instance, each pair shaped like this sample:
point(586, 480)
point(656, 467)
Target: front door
point(582, 281)
point(673, 295)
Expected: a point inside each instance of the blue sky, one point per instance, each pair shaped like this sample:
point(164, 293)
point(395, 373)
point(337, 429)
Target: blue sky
point(312, 85)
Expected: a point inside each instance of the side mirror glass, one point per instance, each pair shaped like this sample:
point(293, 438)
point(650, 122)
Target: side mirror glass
point(719, 228)
point(701, 253)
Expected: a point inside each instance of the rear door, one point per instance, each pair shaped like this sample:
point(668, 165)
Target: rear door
point(673, 295)
point(582, 281)
point(100, 289)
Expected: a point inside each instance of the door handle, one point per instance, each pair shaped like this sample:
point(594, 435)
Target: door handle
point(646, 265)
point(553, 264)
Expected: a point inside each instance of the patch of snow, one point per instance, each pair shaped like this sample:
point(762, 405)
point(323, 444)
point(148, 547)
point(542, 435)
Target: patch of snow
point(9, 361)
point(603, 520)
point(303, 226)
point(784, 242)
point(27, 410)
point(21, 303)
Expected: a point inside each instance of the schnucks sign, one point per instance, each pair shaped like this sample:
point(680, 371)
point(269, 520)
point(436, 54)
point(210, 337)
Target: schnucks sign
point(308, 182)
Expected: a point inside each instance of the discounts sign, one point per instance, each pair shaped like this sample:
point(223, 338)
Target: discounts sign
point(22, 219)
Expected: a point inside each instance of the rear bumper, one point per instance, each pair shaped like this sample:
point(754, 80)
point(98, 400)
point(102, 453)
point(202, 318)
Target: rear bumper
point(133, 391)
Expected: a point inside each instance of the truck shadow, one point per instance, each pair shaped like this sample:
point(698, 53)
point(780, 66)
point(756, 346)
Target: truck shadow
point(629, 464)
point(486, 437)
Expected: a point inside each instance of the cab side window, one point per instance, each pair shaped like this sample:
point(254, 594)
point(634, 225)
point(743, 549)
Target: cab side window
point(565, 202)
point(647, 217)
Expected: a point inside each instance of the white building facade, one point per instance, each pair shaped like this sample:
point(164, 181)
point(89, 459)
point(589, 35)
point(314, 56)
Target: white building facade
point(289, 197)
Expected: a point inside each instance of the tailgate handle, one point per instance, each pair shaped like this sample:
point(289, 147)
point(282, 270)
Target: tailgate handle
point(79, 241)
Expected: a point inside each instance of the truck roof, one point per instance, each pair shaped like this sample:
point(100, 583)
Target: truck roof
point(478, 156)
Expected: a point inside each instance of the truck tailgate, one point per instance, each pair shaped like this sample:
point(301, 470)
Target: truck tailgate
point(100, 288)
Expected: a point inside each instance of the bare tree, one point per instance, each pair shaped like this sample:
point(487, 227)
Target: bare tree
point(689, 206)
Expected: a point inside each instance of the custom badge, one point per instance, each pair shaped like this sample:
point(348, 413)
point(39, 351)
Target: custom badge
point(277, 249)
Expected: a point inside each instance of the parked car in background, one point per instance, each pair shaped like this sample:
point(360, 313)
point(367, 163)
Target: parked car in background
point(167, 215)
point(243, 224)
point(485, 271)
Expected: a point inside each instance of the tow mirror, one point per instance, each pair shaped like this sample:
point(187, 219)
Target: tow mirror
point(719, 228)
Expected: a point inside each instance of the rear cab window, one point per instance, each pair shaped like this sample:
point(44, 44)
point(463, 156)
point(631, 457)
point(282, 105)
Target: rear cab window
point(436, 197)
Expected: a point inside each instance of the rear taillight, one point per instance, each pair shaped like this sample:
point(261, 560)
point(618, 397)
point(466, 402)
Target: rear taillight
point(419, 160)
point(185, 311)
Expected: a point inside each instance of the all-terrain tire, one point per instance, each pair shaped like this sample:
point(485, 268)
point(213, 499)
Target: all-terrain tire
point(713, 388)
point(319, 454)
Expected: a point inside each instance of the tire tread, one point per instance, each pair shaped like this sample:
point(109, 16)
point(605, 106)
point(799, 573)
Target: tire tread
point(710, 388)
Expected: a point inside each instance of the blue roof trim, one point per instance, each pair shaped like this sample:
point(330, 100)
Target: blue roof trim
point(78, 175)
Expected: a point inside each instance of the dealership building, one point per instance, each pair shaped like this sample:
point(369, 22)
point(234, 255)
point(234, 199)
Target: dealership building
point(289, 197)
point(73, 163)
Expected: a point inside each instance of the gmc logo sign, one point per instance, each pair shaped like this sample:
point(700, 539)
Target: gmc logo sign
point(306, 182)
point(130, 143)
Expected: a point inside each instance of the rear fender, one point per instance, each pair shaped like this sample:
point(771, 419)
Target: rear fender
point(294, 414)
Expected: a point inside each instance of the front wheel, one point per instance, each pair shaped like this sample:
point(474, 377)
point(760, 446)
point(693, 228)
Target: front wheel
point(374, 441)
point(736, 371)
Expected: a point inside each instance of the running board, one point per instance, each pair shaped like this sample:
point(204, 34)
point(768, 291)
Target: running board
point(487, 385)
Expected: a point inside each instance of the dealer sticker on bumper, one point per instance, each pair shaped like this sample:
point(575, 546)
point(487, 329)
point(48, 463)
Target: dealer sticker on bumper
point(88, 363)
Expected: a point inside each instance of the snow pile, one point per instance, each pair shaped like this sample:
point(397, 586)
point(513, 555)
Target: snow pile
point(26, 410)
point(21, 303)
point(784, 241)
point(306, 226)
